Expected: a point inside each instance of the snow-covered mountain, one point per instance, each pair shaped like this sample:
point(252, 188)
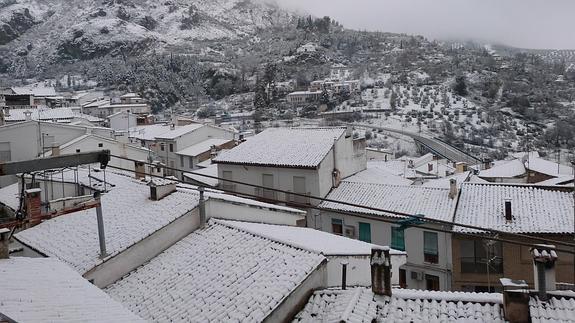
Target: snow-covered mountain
point(54, 30)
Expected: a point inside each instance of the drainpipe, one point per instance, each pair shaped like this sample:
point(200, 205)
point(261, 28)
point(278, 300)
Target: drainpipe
point(100, 218)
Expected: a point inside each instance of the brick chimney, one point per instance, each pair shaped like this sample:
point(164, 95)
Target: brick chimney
point(515, 300)
point(381, 271)
point(4, 243)
point(544, 258)
point(452, 188)
point(33, 202)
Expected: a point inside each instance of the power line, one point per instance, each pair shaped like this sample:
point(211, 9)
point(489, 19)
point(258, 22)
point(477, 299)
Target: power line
point(429, 220)
point(373, 217)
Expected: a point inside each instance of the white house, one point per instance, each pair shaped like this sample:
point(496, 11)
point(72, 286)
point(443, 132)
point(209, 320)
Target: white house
point(429, 252)
point(301, 97)
point(31, 139)
point(168, 143)
point(307, 161)
point(122, 120)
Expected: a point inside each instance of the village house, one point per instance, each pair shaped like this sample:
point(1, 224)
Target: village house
point(303, 97)
point(167, 144)
point(307, 161)
point(191, 156)
point(429, 251)
point(59, 115)
point(129, 102)
point(543, 212)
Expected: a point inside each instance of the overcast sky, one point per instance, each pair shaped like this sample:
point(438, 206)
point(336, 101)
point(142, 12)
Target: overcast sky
point(521, 23)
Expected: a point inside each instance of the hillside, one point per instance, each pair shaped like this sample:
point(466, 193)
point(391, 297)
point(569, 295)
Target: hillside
point(41, 32)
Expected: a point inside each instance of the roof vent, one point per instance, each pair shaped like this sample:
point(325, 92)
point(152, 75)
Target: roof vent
point(508, 213)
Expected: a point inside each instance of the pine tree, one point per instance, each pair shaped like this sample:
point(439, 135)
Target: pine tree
point(460, 87)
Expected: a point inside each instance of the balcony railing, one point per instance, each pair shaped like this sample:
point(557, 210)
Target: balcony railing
point(265, 194)
point(228, 187)
point(298, 199)
point(471, 265)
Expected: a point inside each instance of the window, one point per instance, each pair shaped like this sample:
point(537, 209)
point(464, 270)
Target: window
point(5, 152)
point(162, 147)
point(397, 239)
point(299, 187)
point(268, 181)
point(337, 226)
point(191, 162)
point(479, 256)
point(100, 145)
point(365, 232)
point(171, 148)
point(431, 282)
point(430, 248)
point(181, 161)
point(228, 185)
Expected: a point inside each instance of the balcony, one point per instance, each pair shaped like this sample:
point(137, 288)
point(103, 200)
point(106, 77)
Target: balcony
point(228, 187)
point(265, 194)
point(297, 199)
point(471, 265)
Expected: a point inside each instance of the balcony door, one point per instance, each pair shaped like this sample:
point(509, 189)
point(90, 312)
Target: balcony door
point(268, 182)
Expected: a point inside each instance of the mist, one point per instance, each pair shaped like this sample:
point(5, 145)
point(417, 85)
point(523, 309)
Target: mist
point(520, 23)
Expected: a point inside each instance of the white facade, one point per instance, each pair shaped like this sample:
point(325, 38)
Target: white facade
point(123, 121)
point(31, 139)
point(380, 233)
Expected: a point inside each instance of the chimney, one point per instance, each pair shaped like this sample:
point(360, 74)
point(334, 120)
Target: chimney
point(515, 300)
point(161, 187)
point(172, 126)
point(140, 170)
point(544, 258)
point(4, 243)
point(460, 167)
point(508, 211)
point(344, 274)
point(452, 188)
point(381, 271)
point(202, 206)
point(486, 164)
point(55, 149)
point(33, 203)
point(100, 219)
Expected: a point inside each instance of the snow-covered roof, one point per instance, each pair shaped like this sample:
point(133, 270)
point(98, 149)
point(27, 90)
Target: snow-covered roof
point(9, 196)
point(284, 147)
point(534, 209)
point(211, 170)
point(546, 167)
point(217, 273)
point(240, 200)
point(35, 90)
point(48, 114)
point(179, 131)
point(129, 217)
point(149, 132)
point(308, 239)
point(202, 147)
point(555, 309)
point(509, 169)
point(433, 203)
point(566, 180)
point(46, 290)
point(405, 305)
point(446, 181)
point(375, 175)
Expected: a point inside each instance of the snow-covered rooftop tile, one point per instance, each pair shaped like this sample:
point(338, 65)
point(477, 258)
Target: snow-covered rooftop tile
point(308, 239)
point(361, 305)
point(446, 181)
point(48, 114)
point(46, 290)
point(509, 169)
point(218, 273)
point(129, 217)
point(179, 131)
point(375, 175)
point(433, 203)
point(534, 209)
point(10, 196)
point(546, 167)
point(555, 309)
point(202, 147)
point(284, 147)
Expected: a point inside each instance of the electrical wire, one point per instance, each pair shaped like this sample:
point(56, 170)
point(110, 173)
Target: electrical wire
point(302, 205)
point(323, 199)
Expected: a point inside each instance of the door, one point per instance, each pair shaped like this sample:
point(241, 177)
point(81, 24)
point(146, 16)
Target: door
point(365, 232)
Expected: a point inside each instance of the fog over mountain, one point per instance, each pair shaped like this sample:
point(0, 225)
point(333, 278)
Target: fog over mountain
point(520, 23)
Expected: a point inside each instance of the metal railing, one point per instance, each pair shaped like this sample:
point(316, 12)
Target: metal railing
point(297, 199)
point(472, 265)
point(266, 194)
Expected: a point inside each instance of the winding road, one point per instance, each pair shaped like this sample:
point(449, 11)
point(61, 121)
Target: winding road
point(434, 145)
